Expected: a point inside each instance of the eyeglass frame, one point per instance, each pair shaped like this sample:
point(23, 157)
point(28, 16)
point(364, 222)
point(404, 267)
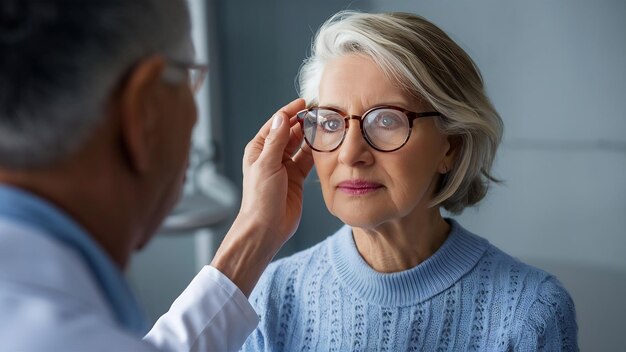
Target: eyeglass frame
point(203, 70)
point(410, 115)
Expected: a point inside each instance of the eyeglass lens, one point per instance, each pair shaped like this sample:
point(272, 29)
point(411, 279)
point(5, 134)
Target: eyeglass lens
point(384, 129)
point(196, 78)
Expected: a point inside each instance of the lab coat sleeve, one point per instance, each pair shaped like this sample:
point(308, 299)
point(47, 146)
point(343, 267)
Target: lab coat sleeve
point(212, 314)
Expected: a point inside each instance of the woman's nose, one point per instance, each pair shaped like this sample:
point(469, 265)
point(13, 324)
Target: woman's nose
point(355, 151)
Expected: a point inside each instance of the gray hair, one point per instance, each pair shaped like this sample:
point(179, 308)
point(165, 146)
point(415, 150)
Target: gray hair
point(62, 59)
point(427, 65)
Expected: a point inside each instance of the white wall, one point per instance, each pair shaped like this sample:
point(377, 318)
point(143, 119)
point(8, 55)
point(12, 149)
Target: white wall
point(556, 72)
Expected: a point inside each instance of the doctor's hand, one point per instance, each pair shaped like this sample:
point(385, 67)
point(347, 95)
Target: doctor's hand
point(274, 169)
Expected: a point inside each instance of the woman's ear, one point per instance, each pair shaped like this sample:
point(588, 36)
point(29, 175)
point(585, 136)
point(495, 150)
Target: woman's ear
point(454, 144)
point(138, 110)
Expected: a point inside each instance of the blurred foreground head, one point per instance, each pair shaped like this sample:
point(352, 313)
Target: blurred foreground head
point(60, 62)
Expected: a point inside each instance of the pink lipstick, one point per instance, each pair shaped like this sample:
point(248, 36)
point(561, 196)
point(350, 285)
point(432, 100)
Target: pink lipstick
point(358, 187)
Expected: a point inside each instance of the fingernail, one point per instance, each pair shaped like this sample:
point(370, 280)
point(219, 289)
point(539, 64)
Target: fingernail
point(277, 121)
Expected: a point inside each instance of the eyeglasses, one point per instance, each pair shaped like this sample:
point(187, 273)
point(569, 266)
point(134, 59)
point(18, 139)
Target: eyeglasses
point(196, 72)
point(385, 128)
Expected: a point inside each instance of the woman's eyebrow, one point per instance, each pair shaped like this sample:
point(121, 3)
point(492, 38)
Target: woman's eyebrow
point(400, 104)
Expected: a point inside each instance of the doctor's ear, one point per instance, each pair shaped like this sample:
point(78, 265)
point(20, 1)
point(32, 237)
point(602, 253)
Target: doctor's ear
point(138, 111)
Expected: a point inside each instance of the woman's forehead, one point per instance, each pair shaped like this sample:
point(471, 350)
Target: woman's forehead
point(356, 79)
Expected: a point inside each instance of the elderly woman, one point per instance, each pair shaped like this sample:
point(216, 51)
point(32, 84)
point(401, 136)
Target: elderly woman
point(400, 126)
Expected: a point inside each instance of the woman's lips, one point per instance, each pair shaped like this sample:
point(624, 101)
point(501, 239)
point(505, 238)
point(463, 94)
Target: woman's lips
point(358, 187)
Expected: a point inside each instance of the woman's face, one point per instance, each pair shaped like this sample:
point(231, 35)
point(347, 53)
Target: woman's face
point(364, 187)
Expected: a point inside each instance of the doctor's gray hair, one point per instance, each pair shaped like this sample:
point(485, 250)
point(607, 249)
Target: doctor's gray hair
point(422, 60)
point(60, 62)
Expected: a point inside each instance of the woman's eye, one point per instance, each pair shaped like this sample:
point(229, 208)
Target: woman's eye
point(331, 125)
point(388, 121)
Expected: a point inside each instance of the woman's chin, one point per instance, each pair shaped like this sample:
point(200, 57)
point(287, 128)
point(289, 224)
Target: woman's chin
point(362, 221)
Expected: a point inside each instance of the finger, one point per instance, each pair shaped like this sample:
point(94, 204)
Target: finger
point(294, 107)
point(295, 140)
point(251, 153)
point(255, 146)
point(275, 142)
point(290, 110)
point(303, 159)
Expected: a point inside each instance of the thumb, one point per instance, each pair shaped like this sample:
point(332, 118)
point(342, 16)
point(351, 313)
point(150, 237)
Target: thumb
point(276, 141)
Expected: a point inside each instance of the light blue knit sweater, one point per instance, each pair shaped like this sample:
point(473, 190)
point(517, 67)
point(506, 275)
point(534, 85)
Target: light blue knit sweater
point(468, 296)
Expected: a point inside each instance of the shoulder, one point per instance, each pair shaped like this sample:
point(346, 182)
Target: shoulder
point(501, 269)
point(542, 313)
point(299, 259)
point(282, 292)
point(59, 322)
point(293, 265)
point(53, 298)
point(289, 274)
point(57, 268)
point(531, 282)
point(549, 322)
point(519, 279)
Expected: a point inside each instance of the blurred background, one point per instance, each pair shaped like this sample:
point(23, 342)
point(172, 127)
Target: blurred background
point(556, 72)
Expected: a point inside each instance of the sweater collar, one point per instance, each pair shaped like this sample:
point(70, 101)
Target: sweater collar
point(456, 257)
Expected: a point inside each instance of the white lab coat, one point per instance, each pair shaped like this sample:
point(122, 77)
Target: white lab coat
point(50, 302)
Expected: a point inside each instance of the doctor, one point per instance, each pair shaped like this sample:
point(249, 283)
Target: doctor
point(96, 114)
